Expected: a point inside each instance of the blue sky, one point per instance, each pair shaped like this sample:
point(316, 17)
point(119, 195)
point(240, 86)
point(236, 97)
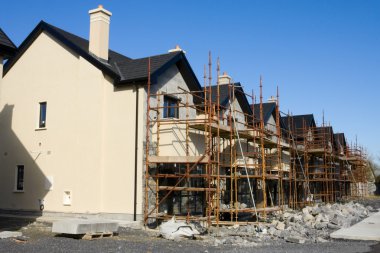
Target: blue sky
point(323, 55)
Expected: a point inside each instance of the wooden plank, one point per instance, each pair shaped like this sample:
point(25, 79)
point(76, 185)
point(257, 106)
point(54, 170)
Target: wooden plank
point(190, 189)
point(225, 131)
point(251, 210)
point(316, 150)
point(178, 159)
point(91, 236)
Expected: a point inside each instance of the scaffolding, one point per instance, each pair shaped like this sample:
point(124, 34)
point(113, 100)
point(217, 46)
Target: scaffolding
point(299, 190)
point(357, 165)
point(211, 160)
point(319, 162)
point(322, 169)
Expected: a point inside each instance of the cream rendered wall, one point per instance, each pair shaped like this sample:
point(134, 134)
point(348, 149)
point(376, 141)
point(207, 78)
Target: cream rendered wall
point(69, 150)
point(119, 149)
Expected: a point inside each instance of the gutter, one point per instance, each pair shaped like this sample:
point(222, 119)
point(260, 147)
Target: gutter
point(136, 156)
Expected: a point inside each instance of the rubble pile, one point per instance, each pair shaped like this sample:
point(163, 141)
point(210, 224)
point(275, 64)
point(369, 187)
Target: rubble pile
point(312, 224)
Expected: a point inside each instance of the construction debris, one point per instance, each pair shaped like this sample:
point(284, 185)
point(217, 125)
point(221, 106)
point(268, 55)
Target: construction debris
point(311, 224)
point(173, 230)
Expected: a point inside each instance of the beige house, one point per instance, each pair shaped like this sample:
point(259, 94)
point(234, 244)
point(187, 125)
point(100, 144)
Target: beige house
point(72, 121)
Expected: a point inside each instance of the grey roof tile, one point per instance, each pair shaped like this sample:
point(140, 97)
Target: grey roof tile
point(298, 121)
point(268, 109)
point(5, 40)
point(7, 47)
point(118, 66)
point(224, 96)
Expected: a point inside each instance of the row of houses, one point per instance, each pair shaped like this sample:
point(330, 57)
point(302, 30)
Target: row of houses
point(86, 130)
point(236, 161)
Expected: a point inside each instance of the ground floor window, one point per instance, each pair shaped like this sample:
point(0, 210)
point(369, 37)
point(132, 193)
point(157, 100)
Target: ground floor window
point(20, 178)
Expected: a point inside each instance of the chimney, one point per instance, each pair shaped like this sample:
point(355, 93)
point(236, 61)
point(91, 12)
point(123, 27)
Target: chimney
point(99, 32)
point(224, 79)
point(272, 99)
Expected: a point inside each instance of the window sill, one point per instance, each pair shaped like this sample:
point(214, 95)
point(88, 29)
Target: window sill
point(40, 129)
point(18, 191)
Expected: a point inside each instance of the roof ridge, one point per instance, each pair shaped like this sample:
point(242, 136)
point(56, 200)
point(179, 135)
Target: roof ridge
point(81, 38)
point(157, 55)
point(119, 67)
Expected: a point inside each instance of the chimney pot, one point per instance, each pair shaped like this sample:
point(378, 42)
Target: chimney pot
point(176, 49)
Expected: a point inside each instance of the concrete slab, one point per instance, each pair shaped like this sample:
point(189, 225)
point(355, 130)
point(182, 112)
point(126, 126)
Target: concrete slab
point(368, 230)
point(9, 234)
point(82, 226)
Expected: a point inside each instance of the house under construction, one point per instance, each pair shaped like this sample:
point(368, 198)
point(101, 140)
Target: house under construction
point(146, 141)
point(214, 155)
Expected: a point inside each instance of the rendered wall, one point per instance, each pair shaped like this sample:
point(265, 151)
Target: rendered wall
point(68, 151)
point(88, 146)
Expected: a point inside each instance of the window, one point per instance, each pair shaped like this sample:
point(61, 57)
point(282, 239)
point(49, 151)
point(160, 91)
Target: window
point(20, 178)
point(170, 107)
point(42, 121)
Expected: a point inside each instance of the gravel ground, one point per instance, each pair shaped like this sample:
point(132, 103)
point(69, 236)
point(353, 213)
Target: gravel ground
point(141, 241)
point(40, 239)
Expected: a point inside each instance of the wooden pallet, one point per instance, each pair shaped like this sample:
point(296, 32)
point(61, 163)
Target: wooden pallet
point(92, 236)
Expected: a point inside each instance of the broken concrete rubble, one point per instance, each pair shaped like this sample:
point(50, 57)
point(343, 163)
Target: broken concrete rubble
point(307, 217)
point(310, 225)
point(176, 230)
point(295, 239)
point(280, 225)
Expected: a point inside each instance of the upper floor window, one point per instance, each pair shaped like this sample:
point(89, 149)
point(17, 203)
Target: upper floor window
point(170, 107)
point(42, 120)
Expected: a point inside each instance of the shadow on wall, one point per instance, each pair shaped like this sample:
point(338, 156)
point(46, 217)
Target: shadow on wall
point(23, 185)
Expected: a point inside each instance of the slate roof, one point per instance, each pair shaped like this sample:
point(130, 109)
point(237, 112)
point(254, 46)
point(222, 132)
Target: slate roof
point(324, 132)
point(298, 120)
point(340, 139)
point(268, 109)
point(122, 69)
point(223, 96)
point(7, 47)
